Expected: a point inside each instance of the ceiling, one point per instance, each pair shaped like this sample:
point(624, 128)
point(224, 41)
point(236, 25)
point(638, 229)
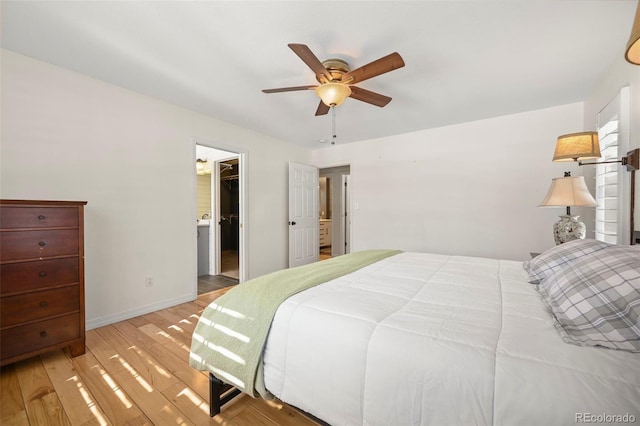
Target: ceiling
point(465, 60)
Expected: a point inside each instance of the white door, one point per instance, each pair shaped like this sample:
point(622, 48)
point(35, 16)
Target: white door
point(304, 217)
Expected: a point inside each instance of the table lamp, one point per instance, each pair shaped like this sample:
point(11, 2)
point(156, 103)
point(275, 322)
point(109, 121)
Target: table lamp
point(566, 192)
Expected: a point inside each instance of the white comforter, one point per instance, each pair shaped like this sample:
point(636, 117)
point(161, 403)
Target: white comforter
point(425, 339)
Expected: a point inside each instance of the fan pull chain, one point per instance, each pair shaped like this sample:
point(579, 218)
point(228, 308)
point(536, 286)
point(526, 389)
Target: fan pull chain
point(333, 125)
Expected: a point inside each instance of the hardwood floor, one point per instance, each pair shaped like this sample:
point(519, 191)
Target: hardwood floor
point(134, 372)
point(325, 253)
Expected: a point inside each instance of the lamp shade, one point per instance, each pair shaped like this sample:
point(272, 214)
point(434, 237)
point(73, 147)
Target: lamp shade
point(633, 46)
point(333, 94)
point(577, 146)
point(568, 191)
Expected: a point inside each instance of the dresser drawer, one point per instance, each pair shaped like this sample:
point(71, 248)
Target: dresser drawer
point(31, 337)
point(38, 275)
point(12, 217)
point(39, 305)
point(18, 245)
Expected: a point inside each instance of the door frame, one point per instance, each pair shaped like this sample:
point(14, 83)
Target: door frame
point(243, 167)
point(346, 211)
point(341, 220)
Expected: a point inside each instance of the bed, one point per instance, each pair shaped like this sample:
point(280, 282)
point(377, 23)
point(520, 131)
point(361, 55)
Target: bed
point(407, 338)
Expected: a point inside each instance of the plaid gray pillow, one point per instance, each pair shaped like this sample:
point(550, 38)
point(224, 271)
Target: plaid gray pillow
point(595, 299)
point(559, 256)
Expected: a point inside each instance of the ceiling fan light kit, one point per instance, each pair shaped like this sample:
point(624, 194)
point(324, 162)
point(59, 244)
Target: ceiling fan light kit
point(333, 94)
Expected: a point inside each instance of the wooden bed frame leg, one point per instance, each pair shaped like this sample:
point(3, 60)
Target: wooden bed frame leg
point(216, 389)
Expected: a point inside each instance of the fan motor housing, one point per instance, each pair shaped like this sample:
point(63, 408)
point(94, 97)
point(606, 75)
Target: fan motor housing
point(336, 67)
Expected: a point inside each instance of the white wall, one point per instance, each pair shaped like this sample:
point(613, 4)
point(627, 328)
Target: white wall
point(69, 137)
point(469, 189)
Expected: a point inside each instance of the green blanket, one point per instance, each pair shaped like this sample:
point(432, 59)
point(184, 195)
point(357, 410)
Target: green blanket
point(230, 335)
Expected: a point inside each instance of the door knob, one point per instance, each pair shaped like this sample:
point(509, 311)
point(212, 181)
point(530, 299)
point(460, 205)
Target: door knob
point(292, 223)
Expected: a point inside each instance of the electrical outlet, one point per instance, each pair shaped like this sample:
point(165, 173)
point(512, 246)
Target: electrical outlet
point(148, 281)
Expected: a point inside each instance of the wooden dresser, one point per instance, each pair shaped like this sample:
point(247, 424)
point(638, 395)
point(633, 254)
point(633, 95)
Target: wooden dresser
point(41, 278)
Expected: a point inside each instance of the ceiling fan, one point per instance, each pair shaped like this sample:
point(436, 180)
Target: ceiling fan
point(336, 79)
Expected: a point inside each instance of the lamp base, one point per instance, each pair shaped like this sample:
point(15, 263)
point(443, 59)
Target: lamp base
point(568, 228)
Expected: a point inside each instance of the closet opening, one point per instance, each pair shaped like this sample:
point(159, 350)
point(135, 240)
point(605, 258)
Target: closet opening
point(228, 218)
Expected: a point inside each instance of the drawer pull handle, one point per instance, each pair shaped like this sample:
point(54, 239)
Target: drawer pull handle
point(43, 334)
point(43, 274)
point(42, 217)
point(43, 304)
point(42, 244)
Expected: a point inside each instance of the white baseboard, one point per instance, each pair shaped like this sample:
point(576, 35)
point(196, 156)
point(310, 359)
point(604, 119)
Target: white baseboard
point(121, 316)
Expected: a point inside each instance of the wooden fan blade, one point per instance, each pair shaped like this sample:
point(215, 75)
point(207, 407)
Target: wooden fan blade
point(380, 66)
point(288, 89)
point(369, 97)
point(310, 59)
point(323, 109)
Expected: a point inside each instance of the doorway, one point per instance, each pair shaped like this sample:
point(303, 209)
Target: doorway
point(220, 213)
point(335, 214)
